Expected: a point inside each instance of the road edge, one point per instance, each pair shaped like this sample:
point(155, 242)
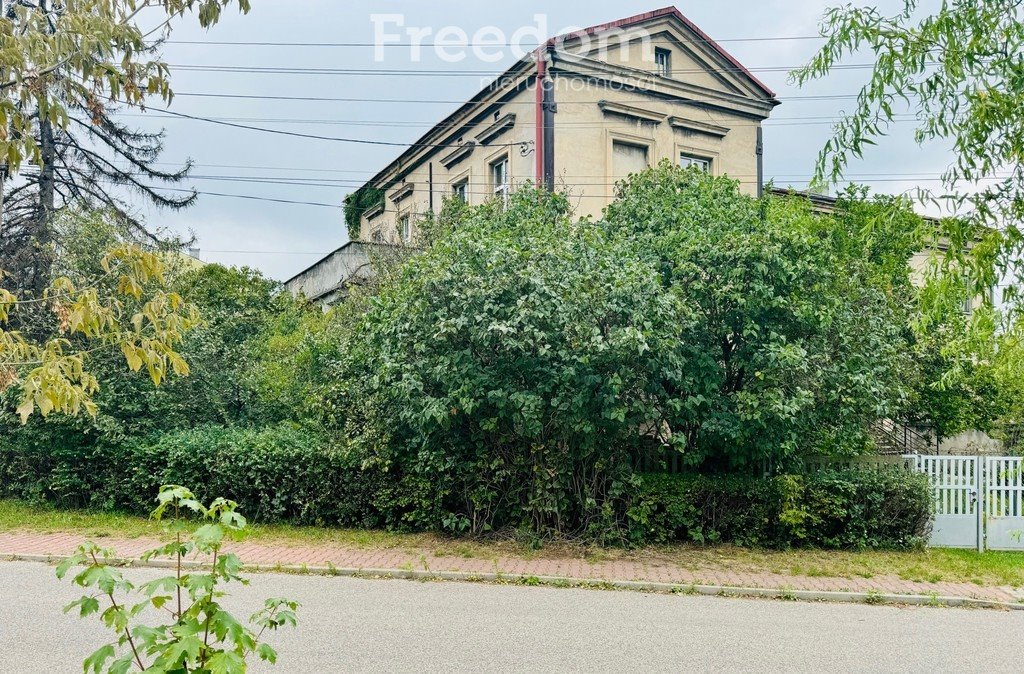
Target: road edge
point(783, 593)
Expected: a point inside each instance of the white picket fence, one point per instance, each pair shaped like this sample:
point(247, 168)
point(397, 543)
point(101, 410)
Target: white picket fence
point(1004, 503)
point(979, 501)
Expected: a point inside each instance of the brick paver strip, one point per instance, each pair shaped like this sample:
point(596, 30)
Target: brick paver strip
point(15, 543)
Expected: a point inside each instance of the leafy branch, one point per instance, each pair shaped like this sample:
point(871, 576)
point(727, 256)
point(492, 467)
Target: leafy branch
point(202, 636)
point(126, 309)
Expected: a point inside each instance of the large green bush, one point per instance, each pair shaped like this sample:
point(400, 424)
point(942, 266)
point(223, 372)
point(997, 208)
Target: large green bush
point(513, 365)
point(841, 509)
point(519, 360)
point(510, 373)
point(799, 335)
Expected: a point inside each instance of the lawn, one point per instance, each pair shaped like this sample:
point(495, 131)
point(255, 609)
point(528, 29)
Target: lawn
point(933, 565)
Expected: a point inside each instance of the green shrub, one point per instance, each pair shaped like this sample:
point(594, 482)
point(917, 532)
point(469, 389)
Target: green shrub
point(848, 509)
point(510, 365)
point(866, 509)
point(278, 474)
point(285, 473)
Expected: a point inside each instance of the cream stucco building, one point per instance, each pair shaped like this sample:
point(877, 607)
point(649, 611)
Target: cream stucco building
point(577, 115)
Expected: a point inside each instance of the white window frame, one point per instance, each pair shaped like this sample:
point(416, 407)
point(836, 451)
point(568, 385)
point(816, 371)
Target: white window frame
point(460, 190)
point(689, 159)
point(405, 226)
point(504, 189)
point(663, 61)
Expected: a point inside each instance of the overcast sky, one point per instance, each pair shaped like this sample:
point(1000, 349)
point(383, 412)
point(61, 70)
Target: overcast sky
point(283, 238)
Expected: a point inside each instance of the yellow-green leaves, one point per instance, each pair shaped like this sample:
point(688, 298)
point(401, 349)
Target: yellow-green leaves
point(83, 53)
point(7, 302)
point(126, 309)
point(58, 383)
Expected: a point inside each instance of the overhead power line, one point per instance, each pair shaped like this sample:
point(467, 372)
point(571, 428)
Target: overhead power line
point(244, 196)
point(777, 121)
point(564, 183)
point(361, 141)
point(262, 252)
point(406, 45)
point(449, 72)
point(441, 186)
point(339, 99)
point(368, 173)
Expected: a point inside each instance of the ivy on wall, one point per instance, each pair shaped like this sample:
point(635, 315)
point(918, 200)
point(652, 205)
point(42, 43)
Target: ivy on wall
point(358, 203)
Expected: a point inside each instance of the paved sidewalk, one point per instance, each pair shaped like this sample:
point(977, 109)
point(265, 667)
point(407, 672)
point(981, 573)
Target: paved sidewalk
point(653, 570)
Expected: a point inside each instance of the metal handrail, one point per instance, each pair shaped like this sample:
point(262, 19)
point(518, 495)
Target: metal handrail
point(904, 438)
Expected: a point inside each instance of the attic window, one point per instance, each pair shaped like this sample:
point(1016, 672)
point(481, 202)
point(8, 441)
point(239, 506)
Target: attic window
point(663, 62)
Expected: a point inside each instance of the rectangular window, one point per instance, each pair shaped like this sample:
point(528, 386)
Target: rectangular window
point(663, 62)
point(460, 191)
point(500, 179)
point(703, 163)
point(627, 159)
point(405, 227)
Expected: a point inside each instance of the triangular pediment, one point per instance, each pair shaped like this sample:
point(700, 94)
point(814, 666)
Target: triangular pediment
point(695, 58)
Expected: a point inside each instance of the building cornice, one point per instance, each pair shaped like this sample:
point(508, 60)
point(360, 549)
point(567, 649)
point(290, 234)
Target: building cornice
point(620, 77)
point(403, 192)
point(454, 126)
point(495, 130)
point(632, 112)
point(694, 126)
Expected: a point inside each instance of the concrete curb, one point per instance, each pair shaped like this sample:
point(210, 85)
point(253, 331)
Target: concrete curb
point(557, 581)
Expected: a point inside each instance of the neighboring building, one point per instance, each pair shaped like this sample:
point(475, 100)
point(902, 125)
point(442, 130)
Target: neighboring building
point(327, 281)
point(578, 115)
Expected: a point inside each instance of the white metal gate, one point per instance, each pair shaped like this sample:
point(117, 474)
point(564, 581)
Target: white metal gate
point(1004, 512)
point(979, 501)
point(956, 482)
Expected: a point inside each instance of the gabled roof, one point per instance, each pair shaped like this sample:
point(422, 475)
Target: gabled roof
point(523, 66)
point(661, 14)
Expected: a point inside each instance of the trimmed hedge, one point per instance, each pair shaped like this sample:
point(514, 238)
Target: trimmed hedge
point(847, 509)
point(276, 474)
point(286, 473)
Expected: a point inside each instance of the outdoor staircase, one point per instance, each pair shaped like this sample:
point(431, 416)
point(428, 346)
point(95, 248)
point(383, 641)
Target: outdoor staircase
point(897, 438)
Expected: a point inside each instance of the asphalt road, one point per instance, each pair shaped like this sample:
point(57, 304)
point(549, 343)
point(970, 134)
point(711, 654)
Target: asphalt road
point(348, 624)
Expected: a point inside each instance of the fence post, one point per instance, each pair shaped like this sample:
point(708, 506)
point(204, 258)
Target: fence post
point(979, 499)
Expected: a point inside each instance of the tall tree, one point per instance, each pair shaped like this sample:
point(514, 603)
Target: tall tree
point(959, 70)
point(66, 68)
